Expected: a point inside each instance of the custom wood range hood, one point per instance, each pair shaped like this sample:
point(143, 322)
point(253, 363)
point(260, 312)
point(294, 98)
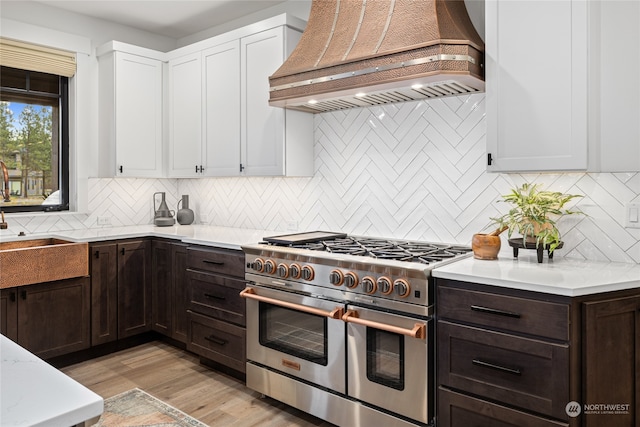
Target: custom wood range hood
point(356, 53)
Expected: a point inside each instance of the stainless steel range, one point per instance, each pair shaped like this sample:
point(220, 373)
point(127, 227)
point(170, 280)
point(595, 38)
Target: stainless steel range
point(341, 326)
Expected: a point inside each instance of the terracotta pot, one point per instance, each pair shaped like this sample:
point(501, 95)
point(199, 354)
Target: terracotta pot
point(485, 246)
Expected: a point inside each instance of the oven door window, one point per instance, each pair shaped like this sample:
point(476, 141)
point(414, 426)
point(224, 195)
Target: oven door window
point(385, 358)
point(293, 332)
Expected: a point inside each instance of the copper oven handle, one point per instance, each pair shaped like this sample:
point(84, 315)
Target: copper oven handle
point(418, 331)
point(333, 314)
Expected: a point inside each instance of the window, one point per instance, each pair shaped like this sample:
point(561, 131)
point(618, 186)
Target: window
point(34, 141)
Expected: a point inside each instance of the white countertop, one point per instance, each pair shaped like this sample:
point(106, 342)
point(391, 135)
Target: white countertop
point(34, 393)
point(225, 237)
point(559, 276)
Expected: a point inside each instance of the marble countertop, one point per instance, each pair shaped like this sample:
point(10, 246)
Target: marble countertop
point(225, 237)
point(34, 393)
point(559, 276)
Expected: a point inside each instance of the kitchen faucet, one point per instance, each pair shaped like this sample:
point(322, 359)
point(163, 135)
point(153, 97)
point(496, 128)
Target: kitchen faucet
point(5, 179)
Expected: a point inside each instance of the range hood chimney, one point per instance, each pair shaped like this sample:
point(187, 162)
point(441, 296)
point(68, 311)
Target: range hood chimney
point(360, 53)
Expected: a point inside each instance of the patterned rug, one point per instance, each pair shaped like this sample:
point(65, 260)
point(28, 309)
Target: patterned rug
point(135, 408)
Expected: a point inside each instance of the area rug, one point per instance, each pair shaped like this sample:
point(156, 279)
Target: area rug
point(135, 408)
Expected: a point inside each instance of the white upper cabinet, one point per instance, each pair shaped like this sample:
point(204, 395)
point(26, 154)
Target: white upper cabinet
point(185, 116)
point(563, 91)
point(130, 107)
point(536, 73)
point(220, 121)
point(274, 141)
point(221, 92)
point(614, 107)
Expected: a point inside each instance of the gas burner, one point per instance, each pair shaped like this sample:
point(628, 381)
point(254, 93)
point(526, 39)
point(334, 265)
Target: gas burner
point(383, 249)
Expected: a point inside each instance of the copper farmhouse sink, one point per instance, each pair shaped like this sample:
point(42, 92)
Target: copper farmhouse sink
point(41, 260)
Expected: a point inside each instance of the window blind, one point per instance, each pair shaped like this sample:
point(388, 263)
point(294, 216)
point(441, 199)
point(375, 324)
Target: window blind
point(27, 56)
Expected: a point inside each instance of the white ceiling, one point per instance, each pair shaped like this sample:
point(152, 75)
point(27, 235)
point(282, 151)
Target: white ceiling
point(171, 18)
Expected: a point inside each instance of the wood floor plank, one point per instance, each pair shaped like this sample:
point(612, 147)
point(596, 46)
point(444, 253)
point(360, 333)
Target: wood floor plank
point(177, 378)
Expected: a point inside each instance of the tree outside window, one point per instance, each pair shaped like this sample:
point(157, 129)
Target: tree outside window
point(31, 147)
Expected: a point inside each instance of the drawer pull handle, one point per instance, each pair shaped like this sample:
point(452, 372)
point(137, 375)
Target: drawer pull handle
point(514, 371)
point(206, 261)
point(216, 340)
point(495, 311)
point(218, 297)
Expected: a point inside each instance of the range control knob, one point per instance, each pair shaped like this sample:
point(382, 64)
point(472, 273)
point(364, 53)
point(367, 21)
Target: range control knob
point(385, 286)
point(336, 277)
point(258, 265)
point(369, 285)
point(295, 271)
point(351, 280)
point(282, 270)
point(269, 266)
point(402, 288)
point(308, 273)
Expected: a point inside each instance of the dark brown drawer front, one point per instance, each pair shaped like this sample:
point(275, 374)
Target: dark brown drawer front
point(214, 260)
point(522, 372)
point(217, 296)
point(458, 410)
point(541, 318)
point(218, 341)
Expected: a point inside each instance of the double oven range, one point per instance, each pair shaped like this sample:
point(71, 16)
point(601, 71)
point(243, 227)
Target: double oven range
point(341, 326)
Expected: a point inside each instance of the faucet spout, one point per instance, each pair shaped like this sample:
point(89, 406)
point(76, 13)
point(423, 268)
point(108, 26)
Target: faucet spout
point(5, 179)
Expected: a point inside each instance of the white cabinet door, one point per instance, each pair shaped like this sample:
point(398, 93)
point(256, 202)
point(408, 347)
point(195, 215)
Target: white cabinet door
point(615, 85)
point(185, 116)
point(262, 127)
point(536, 59)
point(221, 93)
point(130, 128)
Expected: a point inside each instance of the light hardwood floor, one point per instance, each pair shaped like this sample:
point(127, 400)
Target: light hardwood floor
point(177, 378)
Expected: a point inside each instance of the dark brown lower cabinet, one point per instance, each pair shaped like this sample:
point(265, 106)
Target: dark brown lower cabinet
point(120, 289)
point(611, 375)
point(9, 313)
point(49, 319)
point(179, 318)
point(519, 371)
point(221, 342)
point(216, 311)
point(461, 410)
point(508, 357)
point(134, 288)
point(169, 289)
point(103, 268)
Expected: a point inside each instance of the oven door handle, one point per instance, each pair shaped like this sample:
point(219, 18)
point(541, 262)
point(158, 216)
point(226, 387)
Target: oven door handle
point(333, 314)
point(419, 329)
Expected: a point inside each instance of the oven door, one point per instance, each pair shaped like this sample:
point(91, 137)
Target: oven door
point(389, 360)
point(299, 335)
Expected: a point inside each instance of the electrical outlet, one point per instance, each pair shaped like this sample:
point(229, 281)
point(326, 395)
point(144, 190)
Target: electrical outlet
point(104, 220)
point(632, 219)
point(292, 225)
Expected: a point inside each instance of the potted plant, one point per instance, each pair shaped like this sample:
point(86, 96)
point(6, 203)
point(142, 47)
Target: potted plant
point(533, 215)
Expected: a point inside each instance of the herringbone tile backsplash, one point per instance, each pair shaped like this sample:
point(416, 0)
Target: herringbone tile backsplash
point(411, 170)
